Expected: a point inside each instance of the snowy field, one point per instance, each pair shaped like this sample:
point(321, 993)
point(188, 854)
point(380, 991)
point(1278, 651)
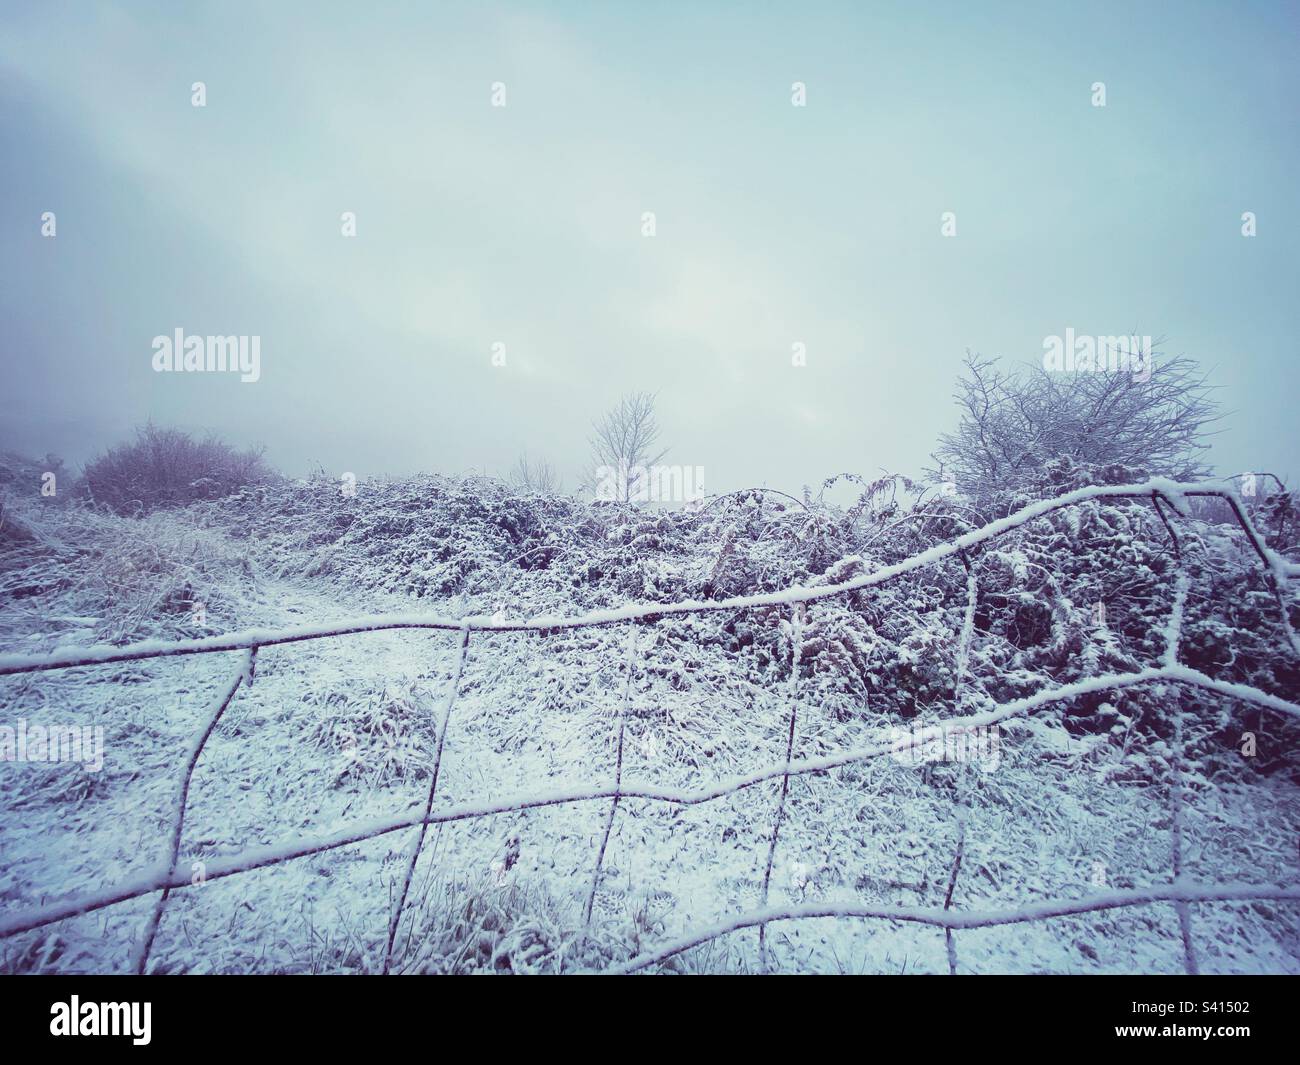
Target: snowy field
point(339, 731)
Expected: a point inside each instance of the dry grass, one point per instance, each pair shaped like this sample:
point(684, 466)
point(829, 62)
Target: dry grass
point(380, 737)
point(123, 578)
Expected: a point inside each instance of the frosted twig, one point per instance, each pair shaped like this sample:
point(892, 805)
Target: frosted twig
point(967, 624)
point(1276, 568)
point(1174, 626)
point(1173, 536)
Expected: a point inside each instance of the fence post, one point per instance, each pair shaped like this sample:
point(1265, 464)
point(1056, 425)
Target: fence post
point(452, 689)
point(796, 649)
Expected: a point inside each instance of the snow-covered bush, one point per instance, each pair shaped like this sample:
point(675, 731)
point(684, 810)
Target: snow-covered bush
point(168, 468)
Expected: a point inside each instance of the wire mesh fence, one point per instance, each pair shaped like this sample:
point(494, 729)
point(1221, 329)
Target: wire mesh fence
point(167, 877)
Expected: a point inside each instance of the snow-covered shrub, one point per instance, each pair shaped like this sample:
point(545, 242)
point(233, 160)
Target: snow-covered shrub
point(484, 925)
point(168, 468)
point(376, 737)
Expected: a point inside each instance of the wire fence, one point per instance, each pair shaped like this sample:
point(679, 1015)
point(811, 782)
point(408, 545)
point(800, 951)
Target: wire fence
point(167, 877)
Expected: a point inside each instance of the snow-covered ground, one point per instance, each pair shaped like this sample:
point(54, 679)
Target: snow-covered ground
point(338, 731)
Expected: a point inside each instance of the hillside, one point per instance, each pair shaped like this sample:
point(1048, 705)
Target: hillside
point(1073, 798)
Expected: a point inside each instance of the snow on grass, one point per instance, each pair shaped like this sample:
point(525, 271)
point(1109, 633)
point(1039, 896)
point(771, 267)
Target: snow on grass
point(527, 782)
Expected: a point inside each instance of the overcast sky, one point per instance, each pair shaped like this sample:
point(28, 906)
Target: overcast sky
point(522, 225)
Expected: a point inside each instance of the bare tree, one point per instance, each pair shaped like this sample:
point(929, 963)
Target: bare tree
point(623, 448)
point(533, 475)
point(1013, 422)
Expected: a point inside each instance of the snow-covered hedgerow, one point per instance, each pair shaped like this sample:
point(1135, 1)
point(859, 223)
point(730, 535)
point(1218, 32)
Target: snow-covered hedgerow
point(1081, 591)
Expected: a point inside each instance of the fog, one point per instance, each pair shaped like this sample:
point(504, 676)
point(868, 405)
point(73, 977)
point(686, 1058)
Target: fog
point(521, 229)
